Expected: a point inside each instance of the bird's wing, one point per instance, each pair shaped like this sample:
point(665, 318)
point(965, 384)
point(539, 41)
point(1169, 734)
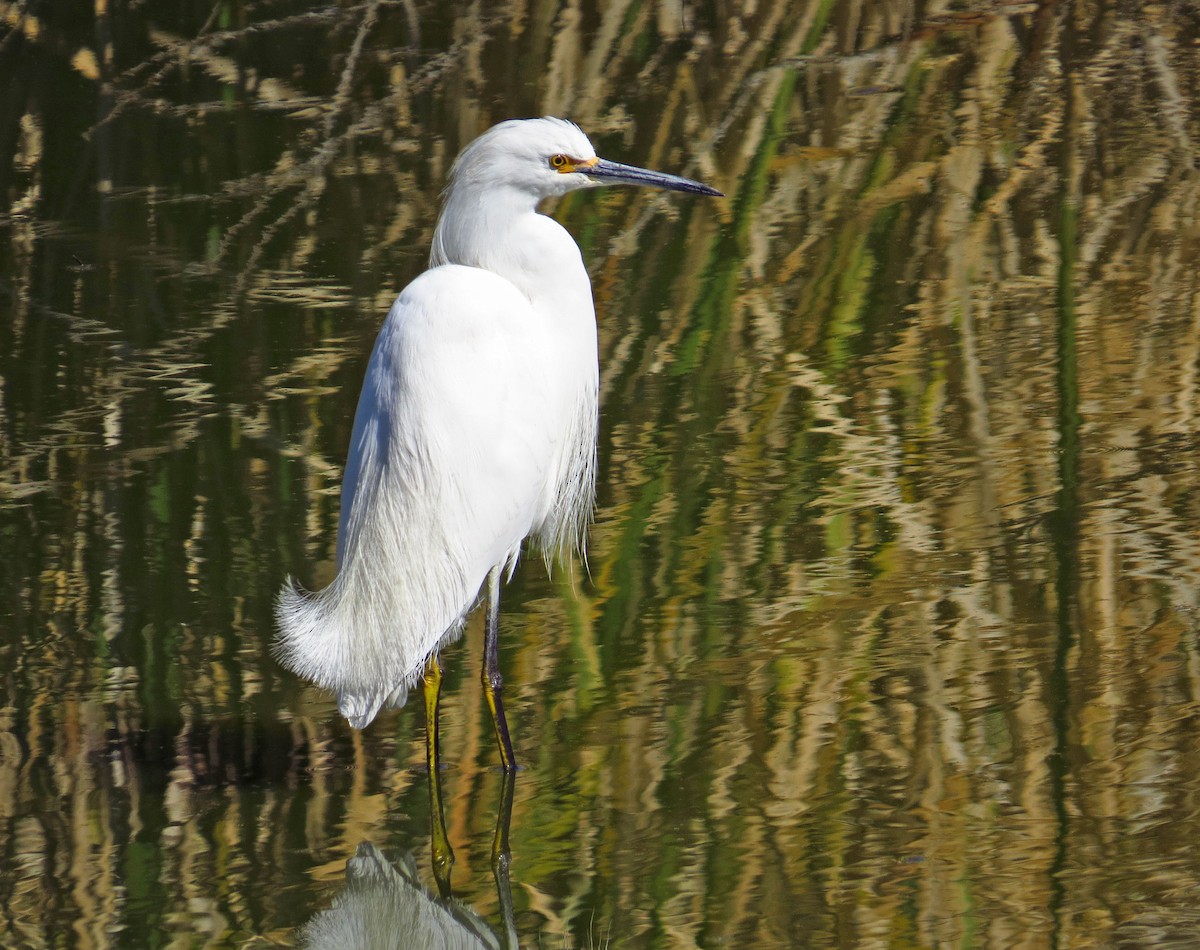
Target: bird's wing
point(452, 447)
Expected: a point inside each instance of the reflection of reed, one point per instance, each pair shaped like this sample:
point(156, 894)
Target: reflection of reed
point(814, 677)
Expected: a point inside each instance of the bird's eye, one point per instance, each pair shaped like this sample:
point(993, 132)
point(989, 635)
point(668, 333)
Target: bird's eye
point(558, 161)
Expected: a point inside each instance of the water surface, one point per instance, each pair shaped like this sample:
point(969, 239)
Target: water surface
point(888, 635)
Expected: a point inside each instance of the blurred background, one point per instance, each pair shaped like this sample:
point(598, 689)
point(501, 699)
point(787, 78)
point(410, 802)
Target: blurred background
point(889, 631)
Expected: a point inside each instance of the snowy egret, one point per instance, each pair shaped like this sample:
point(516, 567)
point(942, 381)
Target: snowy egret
point(476, 429)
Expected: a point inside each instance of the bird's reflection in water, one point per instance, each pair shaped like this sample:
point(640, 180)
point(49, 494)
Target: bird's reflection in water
point(385, 907)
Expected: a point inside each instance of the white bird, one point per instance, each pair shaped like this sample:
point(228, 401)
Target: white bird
point(476, 429)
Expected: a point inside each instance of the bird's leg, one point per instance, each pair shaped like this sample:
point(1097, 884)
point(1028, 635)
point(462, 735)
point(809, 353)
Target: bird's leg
point(502, 859)
point(442, 853)
point(493, 684)
point(431, 688)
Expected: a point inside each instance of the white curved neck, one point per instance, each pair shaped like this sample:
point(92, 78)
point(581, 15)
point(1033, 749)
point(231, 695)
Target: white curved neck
point(499, 230)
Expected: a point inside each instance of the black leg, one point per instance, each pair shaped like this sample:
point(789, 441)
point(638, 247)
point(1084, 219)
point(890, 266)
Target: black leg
point(493, 684)
point(501, 859)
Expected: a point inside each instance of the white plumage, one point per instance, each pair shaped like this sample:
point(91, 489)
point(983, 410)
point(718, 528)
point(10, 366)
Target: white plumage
point(476, 427)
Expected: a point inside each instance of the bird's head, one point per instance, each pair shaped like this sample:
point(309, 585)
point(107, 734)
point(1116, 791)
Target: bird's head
point(549, 157)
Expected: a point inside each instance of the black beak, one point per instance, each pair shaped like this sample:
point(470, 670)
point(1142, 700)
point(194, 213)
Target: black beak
point(614, 173)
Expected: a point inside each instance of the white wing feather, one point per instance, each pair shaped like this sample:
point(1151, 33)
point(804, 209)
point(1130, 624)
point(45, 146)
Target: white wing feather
point(451, 458)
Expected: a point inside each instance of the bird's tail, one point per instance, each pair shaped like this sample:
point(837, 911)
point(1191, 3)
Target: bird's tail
point(320, 642)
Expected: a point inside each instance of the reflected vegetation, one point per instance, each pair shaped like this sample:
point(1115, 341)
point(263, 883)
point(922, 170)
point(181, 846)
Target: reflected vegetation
point(888, 634)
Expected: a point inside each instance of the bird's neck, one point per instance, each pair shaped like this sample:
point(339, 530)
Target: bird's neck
point(501, 231)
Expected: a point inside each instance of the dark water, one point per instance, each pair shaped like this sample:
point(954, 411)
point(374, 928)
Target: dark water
point(890, 633)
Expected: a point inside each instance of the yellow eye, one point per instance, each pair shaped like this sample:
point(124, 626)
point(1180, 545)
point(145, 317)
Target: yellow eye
point(559, 161)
